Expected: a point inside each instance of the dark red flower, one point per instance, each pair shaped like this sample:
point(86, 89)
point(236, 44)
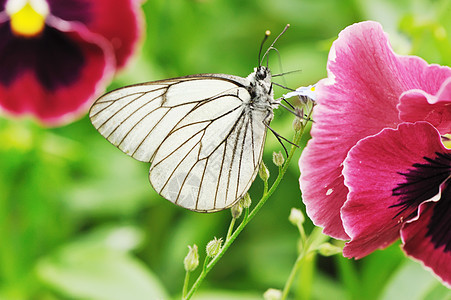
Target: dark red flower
point(56, 56)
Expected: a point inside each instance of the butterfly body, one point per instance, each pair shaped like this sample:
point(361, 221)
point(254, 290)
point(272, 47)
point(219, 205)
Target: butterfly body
point(203, 134)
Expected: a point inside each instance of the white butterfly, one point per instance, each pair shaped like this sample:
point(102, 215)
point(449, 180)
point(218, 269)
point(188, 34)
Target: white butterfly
point(203, 134)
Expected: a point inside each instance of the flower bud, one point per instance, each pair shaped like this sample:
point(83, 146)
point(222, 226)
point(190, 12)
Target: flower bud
point(191, 260)
point(277, 158)
point(327, 249)
point(213, 247)
point(246, 201)
point(297, 124)
point(296, 217)
point(272, 294)
point(236, 210)
point(263, 172)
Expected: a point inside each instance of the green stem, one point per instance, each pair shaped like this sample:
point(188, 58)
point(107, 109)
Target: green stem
point(294, 270)
point(305, 261)
point(229, 241)
point(265, 185)
point(185, 284)
point(229, 232)
point(204, 266)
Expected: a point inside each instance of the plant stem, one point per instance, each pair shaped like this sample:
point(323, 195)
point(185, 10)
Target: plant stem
point(294, 270)
point(185, 284)
point(305, 261)
point(229, 232)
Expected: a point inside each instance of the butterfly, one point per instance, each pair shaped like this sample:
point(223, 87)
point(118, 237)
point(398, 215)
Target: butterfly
point(203, 134)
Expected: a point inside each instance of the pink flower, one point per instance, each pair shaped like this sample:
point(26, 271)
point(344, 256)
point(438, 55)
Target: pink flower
point(56, 56)
point(370, 174)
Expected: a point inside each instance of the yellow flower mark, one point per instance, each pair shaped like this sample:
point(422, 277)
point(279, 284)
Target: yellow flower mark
point(27, 22)
point(446, 140)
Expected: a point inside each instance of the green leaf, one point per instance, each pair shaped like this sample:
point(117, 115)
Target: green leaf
point(89, 269)
point(413, 281)
point(227, 295)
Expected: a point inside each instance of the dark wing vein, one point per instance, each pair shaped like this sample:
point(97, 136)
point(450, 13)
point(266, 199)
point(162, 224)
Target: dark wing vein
point(181, 145)
point(111, 102)
point(241, 158)
point(119, 110)
point(251, 121)
point(198, 104)
point(176, 167)
point(172, 173)
point(202, 178)
point(233, 157)
point(220, 173)
point(193, 123)
point(131, 129)
point(150, 131)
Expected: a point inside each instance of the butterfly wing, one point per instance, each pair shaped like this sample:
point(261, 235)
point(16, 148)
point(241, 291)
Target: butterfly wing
point(204, 143)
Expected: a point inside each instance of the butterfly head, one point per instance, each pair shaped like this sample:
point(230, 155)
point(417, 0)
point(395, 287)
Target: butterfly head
point(260, 89)
point(262, 72)
point(261, 77)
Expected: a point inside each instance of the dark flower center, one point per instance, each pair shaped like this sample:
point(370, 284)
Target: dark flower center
point(55, 59)
point(439, 227)
point(422, 183)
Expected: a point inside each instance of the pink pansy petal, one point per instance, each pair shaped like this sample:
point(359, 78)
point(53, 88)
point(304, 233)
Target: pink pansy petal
point(54, 107)
point(121, 24)
point(418, 244)
point(417, 105)
point(374, 170)
point(358, 99)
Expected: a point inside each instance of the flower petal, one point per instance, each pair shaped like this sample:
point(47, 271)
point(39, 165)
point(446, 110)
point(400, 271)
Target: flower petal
point(54, 57)
point(419, 244)
point(416, 105)
point(72, 10)
point(121, 24)
point(388, 176)
point(58, 102)
point(358, 99)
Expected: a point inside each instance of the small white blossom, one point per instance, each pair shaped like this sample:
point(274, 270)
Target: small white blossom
point(303, 91)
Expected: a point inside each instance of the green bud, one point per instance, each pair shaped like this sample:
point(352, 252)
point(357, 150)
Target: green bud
point(263, 172)
point(236, 210)
point(213, 247)
point(272, 294)
point(246, 201)
point(328, 249)
point(277, 158)
point(191, 260)
point(296, 217)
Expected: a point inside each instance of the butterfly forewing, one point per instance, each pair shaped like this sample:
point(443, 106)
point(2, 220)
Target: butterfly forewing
point(203, 141)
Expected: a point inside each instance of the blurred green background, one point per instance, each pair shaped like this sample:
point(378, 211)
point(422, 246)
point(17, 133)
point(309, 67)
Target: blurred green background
point(79, 219)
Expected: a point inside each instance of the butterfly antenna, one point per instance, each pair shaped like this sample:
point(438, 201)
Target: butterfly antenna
point(267, 34)
point(272, 45)
point(285, 73)
point(280, 62)
point(282, 86)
